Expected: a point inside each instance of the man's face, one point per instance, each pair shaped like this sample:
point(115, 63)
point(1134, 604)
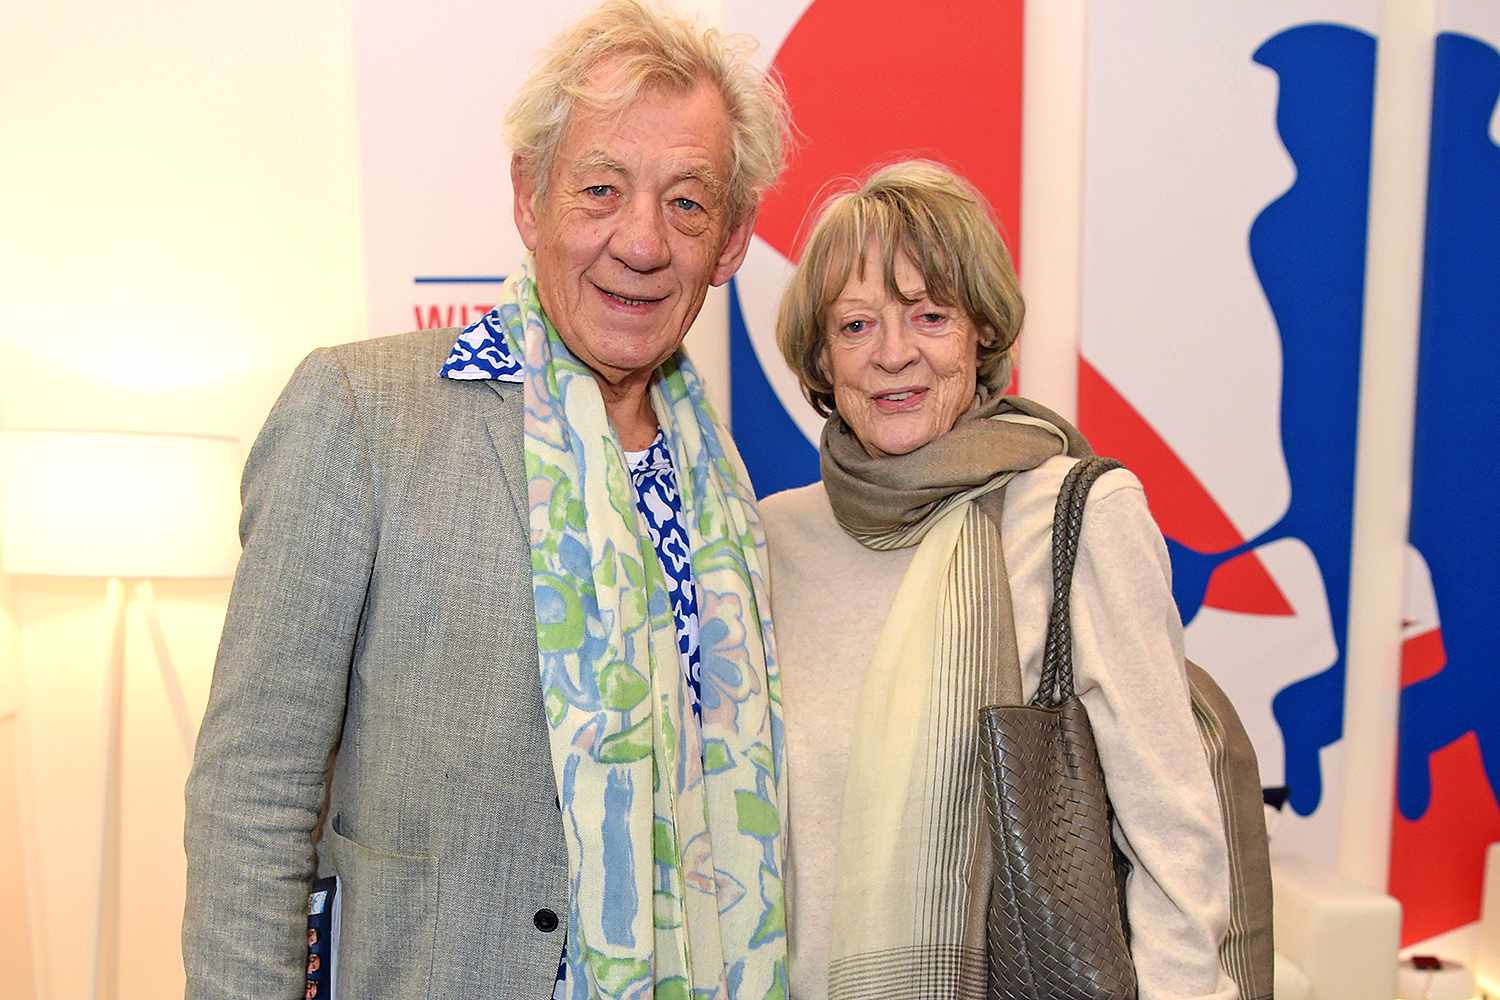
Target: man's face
point(633, 228)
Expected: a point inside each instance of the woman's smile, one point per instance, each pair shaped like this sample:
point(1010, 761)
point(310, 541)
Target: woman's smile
point(900, 400)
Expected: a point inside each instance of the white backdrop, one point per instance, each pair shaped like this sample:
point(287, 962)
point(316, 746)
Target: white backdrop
point(435, 184)
point(1182, 155)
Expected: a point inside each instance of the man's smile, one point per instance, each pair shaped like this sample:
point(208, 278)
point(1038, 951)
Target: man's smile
point(633, 303)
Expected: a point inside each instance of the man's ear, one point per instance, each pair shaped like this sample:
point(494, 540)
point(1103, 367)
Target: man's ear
point(523, 185)
point(735, 248)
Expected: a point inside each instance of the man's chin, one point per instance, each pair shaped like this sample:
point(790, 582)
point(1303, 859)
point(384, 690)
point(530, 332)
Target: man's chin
point(621, 369)
point(617, 354)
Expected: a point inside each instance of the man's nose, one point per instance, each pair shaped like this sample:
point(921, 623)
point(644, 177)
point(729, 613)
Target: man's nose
point(640, 240)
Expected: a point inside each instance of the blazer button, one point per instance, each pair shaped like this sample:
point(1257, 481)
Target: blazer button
point(545, 920)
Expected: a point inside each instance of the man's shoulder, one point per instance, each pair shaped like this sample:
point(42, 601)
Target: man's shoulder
point(395, 384)
point(404, 358)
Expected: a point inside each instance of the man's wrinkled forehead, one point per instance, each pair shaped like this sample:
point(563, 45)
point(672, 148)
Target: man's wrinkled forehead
point(589, 120)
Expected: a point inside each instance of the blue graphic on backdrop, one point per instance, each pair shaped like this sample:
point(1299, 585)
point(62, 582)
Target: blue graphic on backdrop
point(776, 454)
point(1308, 248)
point(1455, 486)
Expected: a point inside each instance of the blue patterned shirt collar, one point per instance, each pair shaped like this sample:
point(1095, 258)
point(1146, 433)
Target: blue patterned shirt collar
point(657, 457)
point(481, 353)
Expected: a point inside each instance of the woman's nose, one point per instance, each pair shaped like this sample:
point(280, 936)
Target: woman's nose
point(640, 240)
point(894, 349)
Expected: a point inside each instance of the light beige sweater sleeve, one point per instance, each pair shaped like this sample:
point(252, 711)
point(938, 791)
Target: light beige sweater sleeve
point(830, 597)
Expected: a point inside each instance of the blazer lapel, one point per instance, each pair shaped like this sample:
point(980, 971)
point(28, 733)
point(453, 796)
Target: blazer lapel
point(504, 425)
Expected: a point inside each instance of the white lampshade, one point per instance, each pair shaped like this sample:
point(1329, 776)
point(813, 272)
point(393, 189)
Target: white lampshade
point(1487, 952)
point(116, 504)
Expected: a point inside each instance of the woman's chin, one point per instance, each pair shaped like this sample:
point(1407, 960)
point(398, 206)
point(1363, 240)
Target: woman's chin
point(892, 445)
point(886, 435)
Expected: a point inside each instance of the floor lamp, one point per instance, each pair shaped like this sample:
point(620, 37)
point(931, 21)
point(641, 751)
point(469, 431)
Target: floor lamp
point(122, 507)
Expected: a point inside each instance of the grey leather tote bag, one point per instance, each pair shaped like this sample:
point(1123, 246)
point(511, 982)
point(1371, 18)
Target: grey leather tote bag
point(1056, 923)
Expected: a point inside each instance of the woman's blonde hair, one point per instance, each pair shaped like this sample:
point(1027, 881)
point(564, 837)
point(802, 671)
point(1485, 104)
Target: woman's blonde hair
point(647, 49)
point(938, 220)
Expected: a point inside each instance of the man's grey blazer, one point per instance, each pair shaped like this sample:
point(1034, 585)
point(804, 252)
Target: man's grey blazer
point(381, 616)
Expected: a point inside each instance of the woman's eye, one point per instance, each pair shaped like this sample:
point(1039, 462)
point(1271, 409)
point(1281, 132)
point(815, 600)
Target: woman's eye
point(932, 318)
point(687, 204)
point(855, 326)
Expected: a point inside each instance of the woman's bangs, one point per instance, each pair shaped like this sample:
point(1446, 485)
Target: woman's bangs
point(928, 248)
point(844, 237)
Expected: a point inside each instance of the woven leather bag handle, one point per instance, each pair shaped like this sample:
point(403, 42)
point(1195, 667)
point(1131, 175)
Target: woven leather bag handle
point(1067, 526)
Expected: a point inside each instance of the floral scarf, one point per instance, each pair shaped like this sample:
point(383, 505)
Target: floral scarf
point(674, 833)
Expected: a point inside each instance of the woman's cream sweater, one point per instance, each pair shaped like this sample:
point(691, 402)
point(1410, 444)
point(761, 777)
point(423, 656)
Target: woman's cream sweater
point(830, 597)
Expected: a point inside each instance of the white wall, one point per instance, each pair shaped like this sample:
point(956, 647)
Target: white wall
point(15, 915)
point(179, 190)
point(1052, 210)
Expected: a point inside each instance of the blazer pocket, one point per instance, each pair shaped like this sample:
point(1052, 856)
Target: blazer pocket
point(389, 919)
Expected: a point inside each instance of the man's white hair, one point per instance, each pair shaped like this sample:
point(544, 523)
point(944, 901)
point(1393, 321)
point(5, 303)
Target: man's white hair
point(647, 49)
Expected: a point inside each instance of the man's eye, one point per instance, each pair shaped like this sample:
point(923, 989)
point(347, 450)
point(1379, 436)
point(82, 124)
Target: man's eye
point(598, 190)
point(687, 204)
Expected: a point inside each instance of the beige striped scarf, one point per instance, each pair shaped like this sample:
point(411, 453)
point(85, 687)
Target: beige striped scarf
point(914, 851)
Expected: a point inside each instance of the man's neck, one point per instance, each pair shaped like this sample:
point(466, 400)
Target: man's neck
point(628, 406)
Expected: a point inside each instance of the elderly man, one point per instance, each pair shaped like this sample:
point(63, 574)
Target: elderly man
point(494, 659)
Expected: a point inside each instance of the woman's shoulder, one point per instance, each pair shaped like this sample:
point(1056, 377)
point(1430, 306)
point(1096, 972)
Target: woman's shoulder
point(1037, 488)
point(799, 524)
point(1121, 545)
point(1116, 516)
point(796, 506)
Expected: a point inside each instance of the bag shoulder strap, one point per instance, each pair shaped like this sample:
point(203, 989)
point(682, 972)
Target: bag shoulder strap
point(1067, 526)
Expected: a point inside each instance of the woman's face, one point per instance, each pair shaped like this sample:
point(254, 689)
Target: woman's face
point(902, 374)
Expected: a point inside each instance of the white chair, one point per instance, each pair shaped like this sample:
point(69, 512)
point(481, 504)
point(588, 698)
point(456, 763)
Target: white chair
point(1335, 940)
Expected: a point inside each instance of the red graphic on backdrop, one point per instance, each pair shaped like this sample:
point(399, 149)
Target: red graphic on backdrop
point(433, 316)
point(863, 93)
point(1437, 862)
point(1193, 517)
point(871, 81)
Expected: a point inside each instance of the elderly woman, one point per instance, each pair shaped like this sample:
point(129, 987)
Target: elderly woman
point(898, 322)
